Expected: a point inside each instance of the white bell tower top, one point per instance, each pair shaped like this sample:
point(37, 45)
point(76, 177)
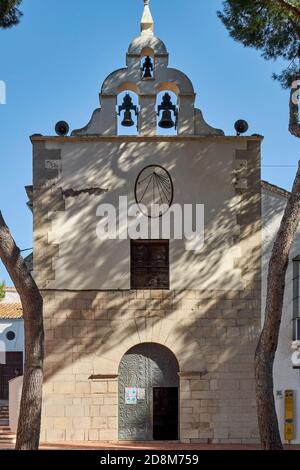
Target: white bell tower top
point(147, 22)
point(104, 120)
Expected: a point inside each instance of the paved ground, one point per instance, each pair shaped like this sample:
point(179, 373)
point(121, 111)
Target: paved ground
point(157, 446)
point(147, 446)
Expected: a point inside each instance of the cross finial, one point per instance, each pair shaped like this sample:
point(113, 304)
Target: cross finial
point(147, 23)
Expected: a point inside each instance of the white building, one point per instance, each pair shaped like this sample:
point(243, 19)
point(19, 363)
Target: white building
point(146, 339)
point(286, 377)
point(11, 340)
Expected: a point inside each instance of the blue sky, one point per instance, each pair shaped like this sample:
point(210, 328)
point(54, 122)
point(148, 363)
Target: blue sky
point(55, 61)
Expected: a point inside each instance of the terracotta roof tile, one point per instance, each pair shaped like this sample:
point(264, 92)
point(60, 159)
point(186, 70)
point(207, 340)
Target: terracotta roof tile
point(11, 311)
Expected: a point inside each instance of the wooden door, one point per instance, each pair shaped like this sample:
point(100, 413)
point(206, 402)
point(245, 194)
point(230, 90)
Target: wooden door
point(10, 370)
point(165, 413)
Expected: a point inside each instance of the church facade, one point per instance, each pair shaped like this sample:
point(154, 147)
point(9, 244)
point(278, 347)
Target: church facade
point(149, 337)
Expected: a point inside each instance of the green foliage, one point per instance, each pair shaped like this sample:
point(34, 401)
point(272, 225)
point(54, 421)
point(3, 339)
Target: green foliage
point(9, 13)
point(2, 291)
point(273, 27)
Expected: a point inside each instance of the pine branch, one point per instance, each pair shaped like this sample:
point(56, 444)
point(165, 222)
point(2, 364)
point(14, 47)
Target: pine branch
point(288, 7)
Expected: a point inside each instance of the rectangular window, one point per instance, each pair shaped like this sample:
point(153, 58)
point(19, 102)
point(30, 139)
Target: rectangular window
point(150, 267)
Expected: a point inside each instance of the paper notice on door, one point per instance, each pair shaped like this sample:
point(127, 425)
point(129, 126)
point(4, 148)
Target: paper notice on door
point(141, 394)
point(131, 396)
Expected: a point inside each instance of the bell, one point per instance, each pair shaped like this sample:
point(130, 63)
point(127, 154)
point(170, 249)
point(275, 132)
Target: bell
point(166, 120)
point(147, 68)
point(127, 121)
point(127, 106)
point(147, 73)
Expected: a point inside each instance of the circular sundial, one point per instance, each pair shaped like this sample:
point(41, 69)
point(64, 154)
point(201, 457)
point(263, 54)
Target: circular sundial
point(154, 189)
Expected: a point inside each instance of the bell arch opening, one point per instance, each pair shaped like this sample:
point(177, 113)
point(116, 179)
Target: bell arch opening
point(167, 113)
point(168, 86)
point(149, 394)
point(147, 64)
point(128, 113)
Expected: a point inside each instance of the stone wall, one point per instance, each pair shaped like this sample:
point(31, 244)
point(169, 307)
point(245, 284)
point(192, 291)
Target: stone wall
point(81, 410)
point(213, 334)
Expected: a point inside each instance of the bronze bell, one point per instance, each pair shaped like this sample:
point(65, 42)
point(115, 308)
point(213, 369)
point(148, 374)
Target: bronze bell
point(147, 73)
point(128, 106)
point(147, 68)
point(127, 121)
point(167, 107)
point(166, 121)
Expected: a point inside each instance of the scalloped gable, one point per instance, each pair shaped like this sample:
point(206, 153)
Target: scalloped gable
point(104, 119)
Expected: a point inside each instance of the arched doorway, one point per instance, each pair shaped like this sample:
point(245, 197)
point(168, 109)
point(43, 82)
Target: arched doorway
point(149, 394)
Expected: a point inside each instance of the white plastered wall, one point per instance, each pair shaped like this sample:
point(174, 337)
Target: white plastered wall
point(285, 377)
point(202, 173)
point(16, 345)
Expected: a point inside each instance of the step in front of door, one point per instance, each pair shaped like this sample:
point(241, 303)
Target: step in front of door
point(4, 422)
point(6, 436)
point(4, 416)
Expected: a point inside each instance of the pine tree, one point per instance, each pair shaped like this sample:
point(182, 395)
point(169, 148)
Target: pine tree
point(9, 13)
point(273, 27)
point(28, 434)
point(268, 27)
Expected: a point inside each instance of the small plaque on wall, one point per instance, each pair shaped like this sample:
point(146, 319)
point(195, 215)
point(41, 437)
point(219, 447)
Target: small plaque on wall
point(141, 394)
point(131, 396)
